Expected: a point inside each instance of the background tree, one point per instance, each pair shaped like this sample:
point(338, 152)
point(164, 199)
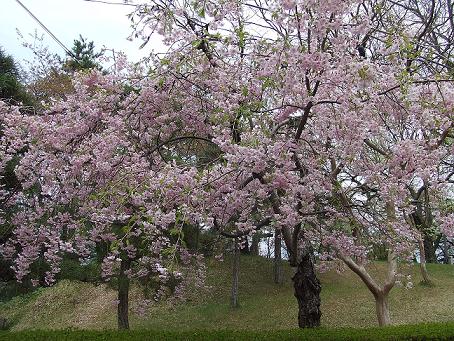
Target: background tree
point(100, 188)
point(12, 91)
point(49, 77)
point(83, 56)
point(11, 88)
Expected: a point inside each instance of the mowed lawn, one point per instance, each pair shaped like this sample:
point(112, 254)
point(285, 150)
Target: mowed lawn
point(264, 305)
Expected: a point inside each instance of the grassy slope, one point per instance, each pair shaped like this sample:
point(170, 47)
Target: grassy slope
point(345, 302)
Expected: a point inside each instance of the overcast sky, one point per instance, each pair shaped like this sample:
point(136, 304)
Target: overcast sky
point(106, 25)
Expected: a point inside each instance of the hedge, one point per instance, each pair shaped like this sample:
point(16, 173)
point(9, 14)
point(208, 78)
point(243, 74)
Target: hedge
point(439, 331)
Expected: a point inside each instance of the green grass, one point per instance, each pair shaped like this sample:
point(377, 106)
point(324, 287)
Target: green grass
point(264, 306)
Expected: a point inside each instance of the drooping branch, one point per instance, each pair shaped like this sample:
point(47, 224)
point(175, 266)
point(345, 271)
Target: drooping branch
point(265, 222)
point(376, 148)
point(180, 138)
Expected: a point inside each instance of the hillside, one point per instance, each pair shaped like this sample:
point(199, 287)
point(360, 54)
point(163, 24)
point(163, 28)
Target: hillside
point(264, 305)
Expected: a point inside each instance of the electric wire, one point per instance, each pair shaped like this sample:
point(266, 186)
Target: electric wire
point(111, 3)
point(68, 51)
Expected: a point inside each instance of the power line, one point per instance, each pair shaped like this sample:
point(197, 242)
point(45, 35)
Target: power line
point(47, 30)
point(111, 3)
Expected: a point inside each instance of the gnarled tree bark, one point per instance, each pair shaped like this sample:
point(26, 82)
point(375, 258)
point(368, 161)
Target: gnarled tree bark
point(307, 289)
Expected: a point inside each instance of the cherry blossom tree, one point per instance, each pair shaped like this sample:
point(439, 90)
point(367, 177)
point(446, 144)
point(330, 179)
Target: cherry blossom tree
point(318, 109)
point(95, 183)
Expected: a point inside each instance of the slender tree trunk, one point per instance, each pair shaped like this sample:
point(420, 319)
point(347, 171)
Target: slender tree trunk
point(268, 248)
point(277, 256)
point(446, 258)
point(123, 295)
point(381, 304)
point(236, 270)
point(422, 264)
point(307, 290)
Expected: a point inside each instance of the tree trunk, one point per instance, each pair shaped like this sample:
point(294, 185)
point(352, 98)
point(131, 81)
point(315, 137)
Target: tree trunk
point(380, 293)
point(422, 264)
point(268, 248)
point(236, 270)
point(446, 258)
point(255, 244)
point(245, 247)
point(429, 250)
point(123, 295)
point(277, 256)
point(381, 304)
point(307, 290)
